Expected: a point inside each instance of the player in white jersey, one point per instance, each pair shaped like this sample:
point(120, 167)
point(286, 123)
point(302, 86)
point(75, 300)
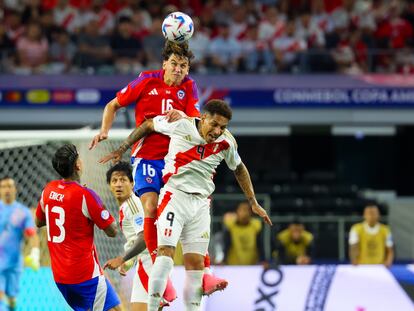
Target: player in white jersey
point(131, 220)
point(196, 148)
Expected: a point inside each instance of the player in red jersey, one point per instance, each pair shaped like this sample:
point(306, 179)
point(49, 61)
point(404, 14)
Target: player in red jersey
point(155, 93)
point(70, 211)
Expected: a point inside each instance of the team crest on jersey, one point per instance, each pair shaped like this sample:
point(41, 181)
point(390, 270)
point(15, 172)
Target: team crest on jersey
point(149, 180)
point(180, 94)
point(139, 221)
point(104, 214)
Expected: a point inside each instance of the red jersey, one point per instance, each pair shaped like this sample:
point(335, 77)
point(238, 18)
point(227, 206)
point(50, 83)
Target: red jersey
point(71, 211)
point(152, 97)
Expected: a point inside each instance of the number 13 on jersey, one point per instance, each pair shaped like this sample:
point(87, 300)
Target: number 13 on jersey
point(59, 222)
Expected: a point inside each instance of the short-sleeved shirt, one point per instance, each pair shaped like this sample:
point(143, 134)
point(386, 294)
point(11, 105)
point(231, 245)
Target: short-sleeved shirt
point(243, 246)
point(372, 241)
point(191, 162)
point(71, 211)
point(131, 220)
point(15, 221)
point(152, 97)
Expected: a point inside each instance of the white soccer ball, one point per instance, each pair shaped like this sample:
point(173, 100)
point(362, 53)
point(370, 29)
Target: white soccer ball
point(178, 27)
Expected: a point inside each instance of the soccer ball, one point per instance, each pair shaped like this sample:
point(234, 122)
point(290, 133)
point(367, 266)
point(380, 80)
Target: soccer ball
point(178, 27)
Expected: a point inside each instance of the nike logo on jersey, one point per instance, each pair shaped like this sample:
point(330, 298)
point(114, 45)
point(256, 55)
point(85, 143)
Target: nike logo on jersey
point(153, 92)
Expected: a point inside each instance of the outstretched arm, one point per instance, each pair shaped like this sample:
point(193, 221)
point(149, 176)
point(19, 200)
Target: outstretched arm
point(135, 249)
point(143, 130)
point(243, 178)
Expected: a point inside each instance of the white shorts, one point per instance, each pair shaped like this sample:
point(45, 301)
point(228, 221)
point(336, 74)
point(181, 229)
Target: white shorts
point(140, 282)
point(185, 217)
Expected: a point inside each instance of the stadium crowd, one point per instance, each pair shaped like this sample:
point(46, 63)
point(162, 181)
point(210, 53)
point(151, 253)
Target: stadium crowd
point(266, 36)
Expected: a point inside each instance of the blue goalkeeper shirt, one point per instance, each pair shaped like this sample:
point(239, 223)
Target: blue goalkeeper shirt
point(15, 221)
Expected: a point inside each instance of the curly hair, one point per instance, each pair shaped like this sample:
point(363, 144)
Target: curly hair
point(218, 106)
point(179, 49)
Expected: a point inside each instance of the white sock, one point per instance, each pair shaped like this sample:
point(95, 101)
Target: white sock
point(158, 281)
point(192, 290)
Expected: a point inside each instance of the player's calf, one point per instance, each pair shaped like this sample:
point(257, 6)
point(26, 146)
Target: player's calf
point(158, 281)
point(192, 290)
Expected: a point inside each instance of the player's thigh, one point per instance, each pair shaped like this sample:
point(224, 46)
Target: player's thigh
point(94, 294)
point(112, 301)
point(170, 218)
point(79, 297)
point(147, 176)
point(195, 236)
point(149, 201)
point(12, 282)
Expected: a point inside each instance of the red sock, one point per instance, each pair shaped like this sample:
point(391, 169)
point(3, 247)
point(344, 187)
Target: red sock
point(150, 236)
point(207, 261)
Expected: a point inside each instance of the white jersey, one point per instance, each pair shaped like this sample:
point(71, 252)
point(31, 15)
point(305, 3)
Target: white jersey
point(131, 219)
point(191, 163)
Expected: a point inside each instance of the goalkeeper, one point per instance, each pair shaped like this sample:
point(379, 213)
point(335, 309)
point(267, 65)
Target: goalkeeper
point(16, 223)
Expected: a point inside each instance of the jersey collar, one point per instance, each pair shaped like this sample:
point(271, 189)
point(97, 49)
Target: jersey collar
point(371, 230)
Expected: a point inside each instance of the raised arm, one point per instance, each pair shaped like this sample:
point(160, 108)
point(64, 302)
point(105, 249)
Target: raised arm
point(107, 120)
point(143, 130)
point(243, 178)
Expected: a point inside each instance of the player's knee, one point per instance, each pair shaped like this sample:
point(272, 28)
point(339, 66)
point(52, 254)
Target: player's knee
point(164, 250)
point(150, 210)
point(193, 261)
point(150, 201)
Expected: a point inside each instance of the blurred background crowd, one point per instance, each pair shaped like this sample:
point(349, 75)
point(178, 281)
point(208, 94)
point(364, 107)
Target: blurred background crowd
point(267, 36)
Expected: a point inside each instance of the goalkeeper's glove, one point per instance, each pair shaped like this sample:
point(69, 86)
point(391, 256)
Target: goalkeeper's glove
point(33, 259)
